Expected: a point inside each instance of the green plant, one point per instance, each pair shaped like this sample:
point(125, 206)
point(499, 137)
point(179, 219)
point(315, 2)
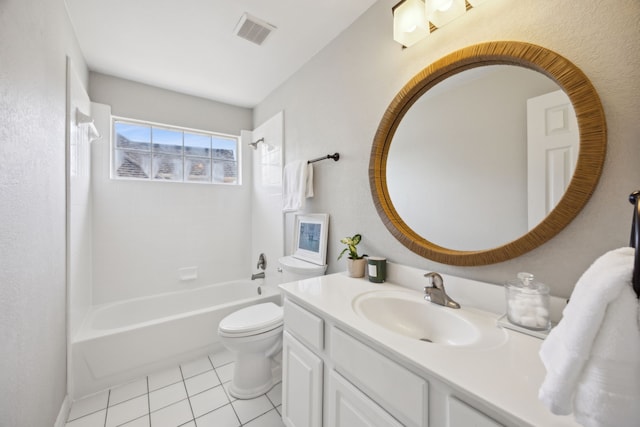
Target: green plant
point(351, 243)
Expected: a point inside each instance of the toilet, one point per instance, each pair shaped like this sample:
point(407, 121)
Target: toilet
point(254, 335)
point(297, 269)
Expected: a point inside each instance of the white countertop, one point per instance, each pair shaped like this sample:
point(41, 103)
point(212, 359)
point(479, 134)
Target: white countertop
point(505, 377)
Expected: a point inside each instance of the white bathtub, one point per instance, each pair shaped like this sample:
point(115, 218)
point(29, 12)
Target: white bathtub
point(123, 341)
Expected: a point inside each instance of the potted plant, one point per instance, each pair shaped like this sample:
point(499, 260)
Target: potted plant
point(355, 262)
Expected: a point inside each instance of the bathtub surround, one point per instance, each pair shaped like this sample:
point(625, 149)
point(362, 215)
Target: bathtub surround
point(348, 86)
point(144, 232)
point(267, 225)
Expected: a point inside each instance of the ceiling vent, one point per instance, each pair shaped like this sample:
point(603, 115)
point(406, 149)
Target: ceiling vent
point(253, 29)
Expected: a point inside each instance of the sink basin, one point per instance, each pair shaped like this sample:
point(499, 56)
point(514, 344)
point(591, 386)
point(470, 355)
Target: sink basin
point(406, 313)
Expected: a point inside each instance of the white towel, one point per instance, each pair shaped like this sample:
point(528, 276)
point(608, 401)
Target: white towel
point(592, 357)
point(297, 185)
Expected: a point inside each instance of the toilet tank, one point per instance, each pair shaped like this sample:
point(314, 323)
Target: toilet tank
point(296, 269)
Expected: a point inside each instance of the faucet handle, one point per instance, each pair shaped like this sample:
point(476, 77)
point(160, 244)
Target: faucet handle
point(436, 280)
point(262, 262)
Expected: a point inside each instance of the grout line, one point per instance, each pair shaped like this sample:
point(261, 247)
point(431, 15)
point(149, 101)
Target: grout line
point(184, 384)
point(106, 410)
point(148, 401)
point(264, 413)
point(225, 392)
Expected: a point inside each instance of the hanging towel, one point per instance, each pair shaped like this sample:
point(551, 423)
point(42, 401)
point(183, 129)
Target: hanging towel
point(297, 184)
point(592, 357)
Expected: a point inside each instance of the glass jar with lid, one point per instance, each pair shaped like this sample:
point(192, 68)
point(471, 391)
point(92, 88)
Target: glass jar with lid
point(528, 303)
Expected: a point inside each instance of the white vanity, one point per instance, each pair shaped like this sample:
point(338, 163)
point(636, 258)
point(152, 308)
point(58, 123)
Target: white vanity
point(354, 355)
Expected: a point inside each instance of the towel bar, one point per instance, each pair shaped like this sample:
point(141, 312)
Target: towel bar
point(334, 156)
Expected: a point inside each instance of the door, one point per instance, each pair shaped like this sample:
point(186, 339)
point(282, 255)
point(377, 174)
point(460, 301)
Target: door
point(301, 385)
point(553, 142)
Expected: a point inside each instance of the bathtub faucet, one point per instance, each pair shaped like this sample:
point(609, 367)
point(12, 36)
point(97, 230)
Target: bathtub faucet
point(257, 276)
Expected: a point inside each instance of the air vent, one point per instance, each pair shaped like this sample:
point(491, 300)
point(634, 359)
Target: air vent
point(253, 29)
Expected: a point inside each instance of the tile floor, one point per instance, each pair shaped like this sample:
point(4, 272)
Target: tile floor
point(193, 394)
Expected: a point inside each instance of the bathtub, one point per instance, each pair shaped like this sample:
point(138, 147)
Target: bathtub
point(126, 340)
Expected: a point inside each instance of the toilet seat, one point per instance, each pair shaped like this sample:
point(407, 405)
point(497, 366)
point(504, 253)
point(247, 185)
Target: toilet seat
point(252, 320)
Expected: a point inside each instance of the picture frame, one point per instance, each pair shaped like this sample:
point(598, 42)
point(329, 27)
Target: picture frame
point(310, 238)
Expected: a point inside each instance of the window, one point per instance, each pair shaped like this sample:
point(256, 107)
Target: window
point(164, 153)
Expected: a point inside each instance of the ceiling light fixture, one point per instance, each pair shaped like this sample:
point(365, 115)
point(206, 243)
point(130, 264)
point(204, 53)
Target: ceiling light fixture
point(413, 20)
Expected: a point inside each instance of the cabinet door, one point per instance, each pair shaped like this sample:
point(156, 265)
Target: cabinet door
point(301, 385)
point(349, 407)
point(463, 415)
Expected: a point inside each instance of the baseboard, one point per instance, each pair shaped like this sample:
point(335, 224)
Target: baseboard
point(63, 415)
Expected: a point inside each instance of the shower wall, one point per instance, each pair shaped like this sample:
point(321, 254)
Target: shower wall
point(267, 234)
point(144, 232)
point(79, 228)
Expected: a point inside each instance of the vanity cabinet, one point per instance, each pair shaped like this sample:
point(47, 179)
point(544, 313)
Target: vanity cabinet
point(332, 378)
point(344, 379)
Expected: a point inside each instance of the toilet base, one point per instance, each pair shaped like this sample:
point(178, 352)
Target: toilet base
point(253, 375)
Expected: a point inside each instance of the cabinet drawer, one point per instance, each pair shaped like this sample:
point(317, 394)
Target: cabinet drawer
point(461, 414)
point(349, 407)
point(399, 391)
point(304, 325)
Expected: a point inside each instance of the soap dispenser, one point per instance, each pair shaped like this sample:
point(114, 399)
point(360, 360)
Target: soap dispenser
point(528, 303)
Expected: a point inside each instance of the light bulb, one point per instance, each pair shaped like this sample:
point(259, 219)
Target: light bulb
point(442, 5)
point(410, 24)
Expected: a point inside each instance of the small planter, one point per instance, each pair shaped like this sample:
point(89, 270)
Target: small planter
point(355, 267)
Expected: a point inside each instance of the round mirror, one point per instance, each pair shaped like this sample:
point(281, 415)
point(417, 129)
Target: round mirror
point(487, 153)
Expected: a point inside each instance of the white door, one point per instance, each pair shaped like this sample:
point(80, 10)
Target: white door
point(553, 142)
point(349, 407)
point(301, 385)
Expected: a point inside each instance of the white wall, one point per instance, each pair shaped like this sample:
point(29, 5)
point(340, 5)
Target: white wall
point(35, 38)
point(145, 231)
point(335, 102)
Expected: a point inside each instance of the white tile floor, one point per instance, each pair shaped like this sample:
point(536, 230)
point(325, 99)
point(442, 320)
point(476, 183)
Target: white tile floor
point(193, 394)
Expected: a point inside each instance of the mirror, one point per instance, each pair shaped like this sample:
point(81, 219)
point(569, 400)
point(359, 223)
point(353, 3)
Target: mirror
point(473, 173)
point(469, 134)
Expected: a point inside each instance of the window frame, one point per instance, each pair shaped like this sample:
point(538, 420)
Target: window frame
point(113, 148)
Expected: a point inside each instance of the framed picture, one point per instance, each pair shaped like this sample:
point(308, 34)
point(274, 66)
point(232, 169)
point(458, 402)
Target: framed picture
point(310, 238)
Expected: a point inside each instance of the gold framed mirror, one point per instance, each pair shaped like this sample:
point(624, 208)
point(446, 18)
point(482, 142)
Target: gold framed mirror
point(588, 167)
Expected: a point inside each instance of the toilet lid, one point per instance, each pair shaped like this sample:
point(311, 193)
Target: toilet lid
point(255, 318)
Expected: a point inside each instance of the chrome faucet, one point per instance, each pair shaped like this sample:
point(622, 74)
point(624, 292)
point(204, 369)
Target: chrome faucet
point(257, 276)
point(436, 293)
